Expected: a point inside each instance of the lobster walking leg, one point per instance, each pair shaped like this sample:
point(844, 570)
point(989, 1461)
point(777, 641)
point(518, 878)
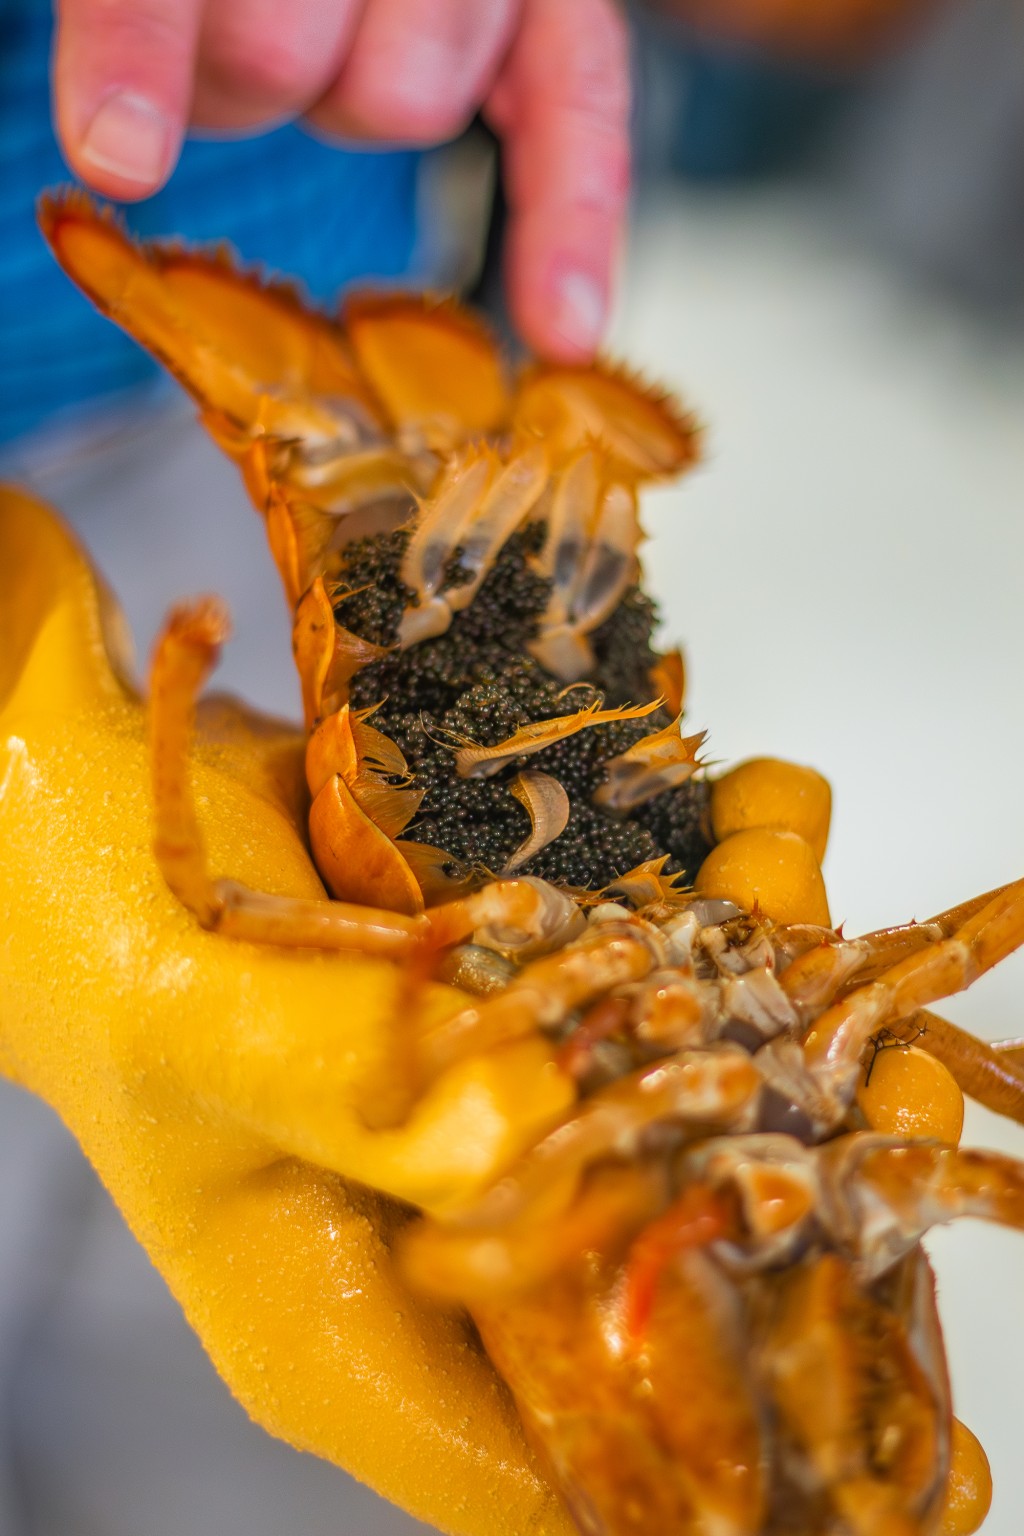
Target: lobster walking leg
point(992, 1073)
point(834, 1350)
point(815, 978)
point(544, 993)
point(185, 653)
point(833, 1046)
point(925, 1185)
point(608, 1432)
point(580, 1177)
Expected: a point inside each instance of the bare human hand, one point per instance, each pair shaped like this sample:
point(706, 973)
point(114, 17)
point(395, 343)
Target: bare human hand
point(551, 76)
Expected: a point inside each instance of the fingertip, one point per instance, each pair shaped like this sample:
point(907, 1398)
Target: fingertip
point(578, 312)
point(561, 104)
point(122, 86)
point(563, 319)
point(128, 147)
point(560, 289)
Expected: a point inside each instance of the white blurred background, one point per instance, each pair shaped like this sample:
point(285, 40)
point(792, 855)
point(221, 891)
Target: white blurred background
point(846, 571)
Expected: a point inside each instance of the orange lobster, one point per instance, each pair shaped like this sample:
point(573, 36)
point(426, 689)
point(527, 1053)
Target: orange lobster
point(686, 1234)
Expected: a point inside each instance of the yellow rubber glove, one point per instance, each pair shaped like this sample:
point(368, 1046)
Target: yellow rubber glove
point(215, 1086)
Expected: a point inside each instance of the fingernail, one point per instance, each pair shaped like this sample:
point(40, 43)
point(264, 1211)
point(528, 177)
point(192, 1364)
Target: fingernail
point(581, 310)
point(128, 137)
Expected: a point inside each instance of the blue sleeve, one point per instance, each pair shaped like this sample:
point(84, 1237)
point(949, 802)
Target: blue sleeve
point(298, 206)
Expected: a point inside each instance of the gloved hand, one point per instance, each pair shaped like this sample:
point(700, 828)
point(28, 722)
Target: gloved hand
point(216, 1086)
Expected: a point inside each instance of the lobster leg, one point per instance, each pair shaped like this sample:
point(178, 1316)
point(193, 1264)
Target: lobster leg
point(546, 992)
point(521, 916)
point(630, 1452)
point(580, 1176)
point(185, 653)
point(924, 1185)
point(888, 946)
point(1009, 1050)
point(830, 1353)
point(992, 1073)
point(513, 914)
point(815, 978)
point(833, 1045)
point(714, 1435)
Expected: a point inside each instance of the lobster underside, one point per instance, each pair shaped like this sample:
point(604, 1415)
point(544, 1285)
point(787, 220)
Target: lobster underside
point(701, 1276)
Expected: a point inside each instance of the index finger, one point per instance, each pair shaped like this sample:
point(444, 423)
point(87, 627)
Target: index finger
point(561, 105)
point(123, 75)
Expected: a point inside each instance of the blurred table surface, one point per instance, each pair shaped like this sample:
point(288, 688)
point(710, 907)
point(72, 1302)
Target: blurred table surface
point(846, 572)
